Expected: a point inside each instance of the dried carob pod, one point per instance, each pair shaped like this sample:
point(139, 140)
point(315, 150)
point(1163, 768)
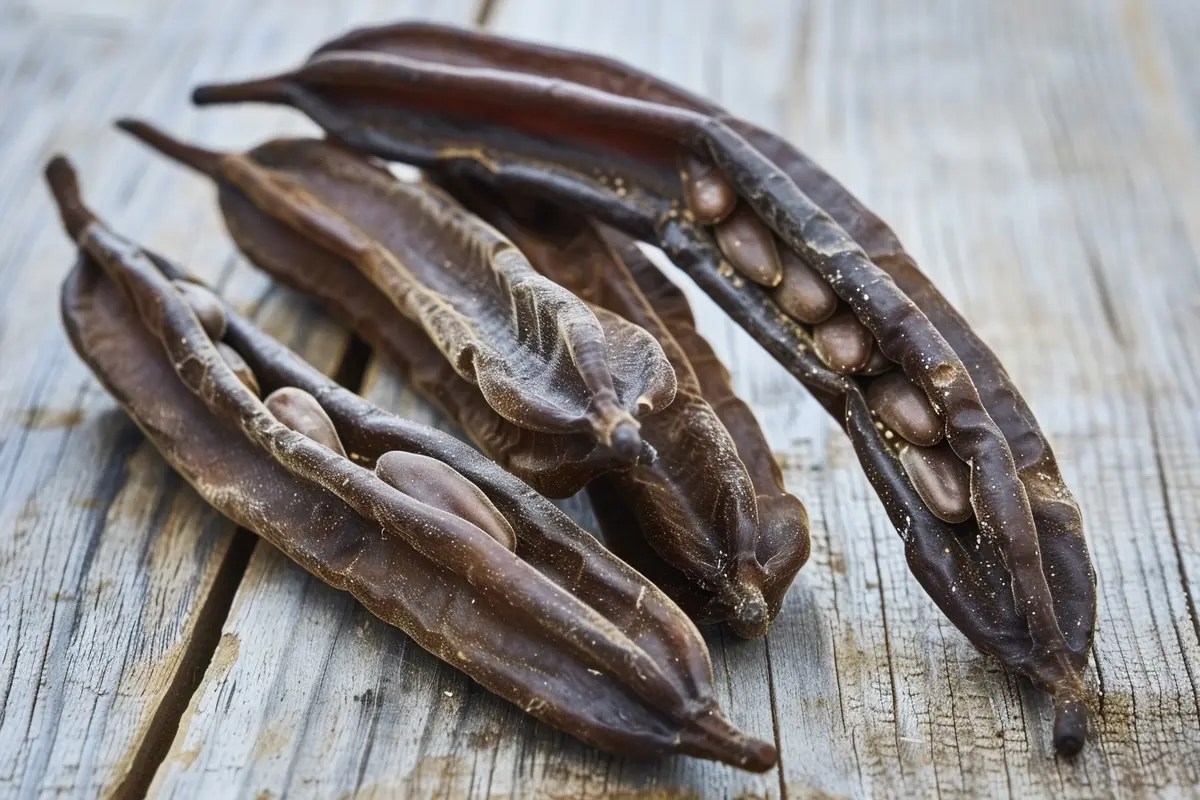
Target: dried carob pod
point(634, 152)
point(540, 358)
point(555, 464)
point(723, 541)
point(473, 564)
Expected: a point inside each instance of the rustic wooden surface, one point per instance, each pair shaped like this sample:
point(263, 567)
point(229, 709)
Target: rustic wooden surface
point(1040, 159)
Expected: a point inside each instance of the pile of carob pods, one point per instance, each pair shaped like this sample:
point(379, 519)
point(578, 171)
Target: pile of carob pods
point(508, 286)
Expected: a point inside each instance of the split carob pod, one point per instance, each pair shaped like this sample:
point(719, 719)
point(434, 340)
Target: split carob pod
point(539, 356)
point(474, 565)
point(724, 542)
point(673, 169)
point(555, 464)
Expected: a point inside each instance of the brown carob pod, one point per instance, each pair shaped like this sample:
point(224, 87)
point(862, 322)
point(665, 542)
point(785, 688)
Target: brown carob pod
point(540, 358)
point(609, 140)
point(557, 624)
point(731, 566)
point(555, 464)
point(723, 542)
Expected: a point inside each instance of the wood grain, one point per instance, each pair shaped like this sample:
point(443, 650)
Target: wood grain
point(1039, 159)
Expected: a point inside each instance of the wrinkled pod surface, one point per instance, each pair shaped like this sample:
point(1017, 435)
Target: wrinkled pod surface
point(718, 530)
point(990, 530)
point(556, 464)
point(539, 357)
point(725, 548)
point(474, 565)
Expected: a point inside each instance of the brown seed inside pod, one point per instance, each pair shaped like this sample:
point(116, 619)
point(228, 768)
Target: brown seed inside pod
point(941, 478)
point(441, 486)
point(802, 294)
point(750, 246)
point(240, 368)
point(301, 412)
point(707, 194)
point(205, 306)
point(902, 406)
point(877, 362)
point(843, 342)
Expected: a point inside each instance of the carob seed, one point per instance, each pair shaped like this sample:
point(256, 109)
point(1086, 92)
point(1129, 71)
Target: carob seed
point(902, 406)
point(843, 342)
point(301, 412)
point(802, 294)
point(438, 484)
point(877, 363)
point(240, 368)
point(750, 246)
point(205, 306)
point(1070, 727)
point(942, 480)
point(707, 194)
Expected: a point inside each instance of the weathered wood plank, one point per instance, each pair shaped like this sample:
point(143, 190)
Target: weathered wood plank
point(110, 567)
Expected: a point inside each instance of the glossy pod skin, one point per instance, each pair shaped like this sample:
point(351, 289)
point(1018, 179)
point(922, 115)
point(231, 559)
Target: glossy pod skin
point(555, 464)
point(557, 624)
point(609, 140)
point(723, 541)
point(540, 358)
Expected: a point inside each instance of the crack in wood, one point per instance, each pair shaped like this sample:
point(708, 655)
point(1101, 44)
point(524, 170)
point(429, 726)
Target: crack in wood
point(197, 655)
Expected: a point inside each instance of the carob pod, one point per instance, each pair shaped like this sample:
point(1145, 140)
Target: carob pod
point(621, 146)
point(555, 464)
point(724, 542)
point(734, 568)
point(541, 359)
point(550, 619)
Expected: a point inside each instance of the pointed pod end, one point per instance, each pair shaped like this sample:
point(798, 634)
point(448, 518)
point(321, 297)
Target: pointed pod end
point(749, 616)
point(198, 158)
point(60, 174)
point(712, 736)
point(64, 186)
point(1070, 727)
point(626, 441)
point(265, 90)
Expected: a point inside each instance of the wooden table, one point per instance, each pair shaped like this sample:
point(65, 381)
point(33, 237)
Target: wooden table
point(1039, 158)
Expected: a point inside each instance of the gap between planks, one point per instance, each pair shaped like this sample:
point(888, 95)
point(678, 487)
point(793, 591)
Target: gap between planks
point(201, 648)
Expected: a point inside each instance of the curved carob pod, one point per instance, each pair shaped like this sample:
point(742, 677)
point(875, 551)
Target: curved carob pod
point(633, 152)
point(555, 464)
point(541, 359)
point(479, 570)
point(724, 542)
